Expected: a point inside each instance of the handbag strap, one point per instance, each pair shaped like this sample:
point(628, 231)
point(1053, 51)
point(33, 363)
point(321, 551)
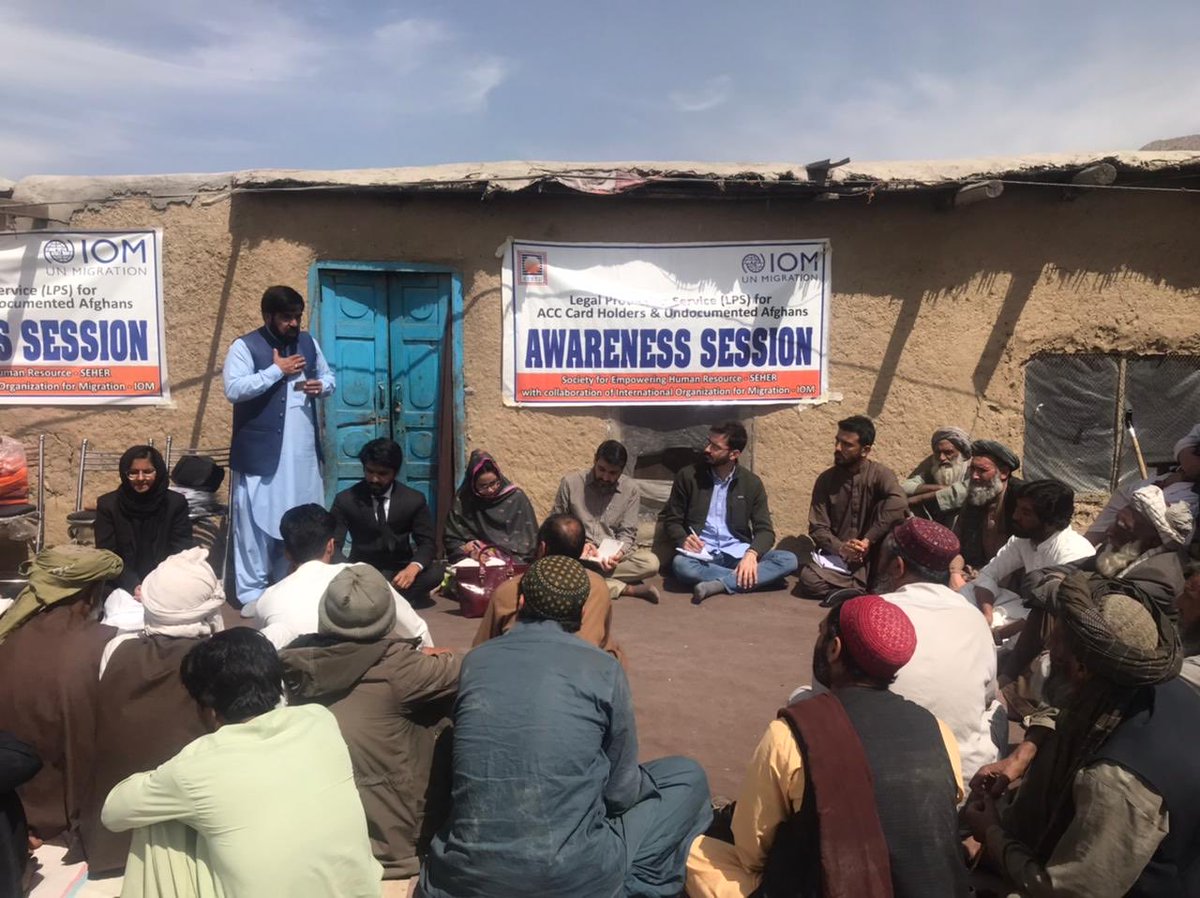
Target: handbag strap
point(499, 553)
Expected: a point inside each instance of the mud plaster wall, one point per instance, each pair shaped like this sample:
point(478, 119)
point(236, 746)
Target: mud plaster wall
point(934, 313)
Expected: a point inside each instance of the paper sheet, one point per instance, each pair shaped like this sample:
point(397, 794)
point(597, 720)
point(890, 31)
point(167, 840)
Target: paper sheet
point(702, 555)
point(608, 547)
point(492, 561)
point(832, 562)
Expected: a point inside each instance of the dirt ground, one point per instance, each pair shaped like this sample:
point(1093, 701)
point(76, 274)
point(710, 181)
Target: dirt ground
point(706, 680)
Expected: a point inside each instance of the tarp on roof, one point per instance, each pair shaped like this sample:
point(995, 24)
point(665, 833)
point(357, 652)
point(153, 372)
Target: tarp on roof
point(602, 177)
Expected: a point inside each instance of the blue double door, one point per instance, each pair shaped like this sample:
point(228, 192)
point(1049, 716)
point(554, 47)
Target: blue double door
point(384, 334)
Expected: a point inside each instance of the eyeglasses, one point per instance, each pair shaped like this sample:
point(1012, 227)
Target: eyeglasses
point(490, 487)
point(141, 475)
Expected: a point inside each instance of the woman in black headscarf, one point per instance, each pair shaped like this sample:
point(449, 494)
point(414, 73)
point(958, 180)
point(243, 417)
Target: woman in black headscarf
point(490, 510)
point(142, 520)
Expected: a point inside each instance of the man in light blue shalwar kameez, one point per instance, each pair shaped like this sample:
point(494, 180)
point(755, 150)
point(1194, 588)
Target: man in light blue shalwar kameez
point(273, 377)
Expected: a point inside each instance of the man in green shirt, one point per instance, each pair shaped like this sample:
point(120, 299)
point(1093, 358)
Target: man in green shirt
point(265, 804)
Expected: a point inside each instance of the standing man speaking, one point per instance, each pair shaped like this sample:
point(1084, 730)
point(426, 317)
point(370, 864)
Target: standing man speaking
point(273, 377)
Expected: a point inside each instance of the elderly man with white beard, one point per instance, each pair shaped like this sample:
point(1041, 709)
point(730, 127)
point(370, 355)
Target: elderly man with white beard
point(1178, 485)
point(1141, 552)
point(938, 487)
point(985, 521)
point(1146, 527)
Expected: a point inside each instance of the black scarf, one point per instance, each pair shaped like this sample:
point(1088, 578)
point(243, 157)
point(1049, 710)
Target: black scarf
point(144, 511)
point(135, 505)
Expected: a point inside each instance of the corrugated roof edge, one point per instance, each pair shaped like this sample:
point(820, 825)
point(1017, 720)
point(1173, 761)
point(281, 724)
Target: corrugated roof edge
point(593, 177)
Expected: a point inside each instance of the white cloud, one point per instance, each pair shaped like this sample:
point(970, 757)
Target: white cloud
point(407, 44)
point(1097, 98)
point(703, 97)
point(223, 64)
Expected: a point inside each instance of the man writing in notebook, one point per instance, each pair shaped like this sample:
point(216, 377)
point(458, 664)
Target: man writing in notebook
point(719, 522)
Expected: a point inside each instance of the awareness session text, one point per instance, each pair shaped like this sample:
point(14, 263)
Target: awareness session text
point(660, 324)
point(81, 318)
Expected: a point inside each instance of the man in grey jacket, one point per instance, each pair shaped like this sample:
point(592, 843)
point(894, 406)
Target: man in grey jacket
point(392, 701)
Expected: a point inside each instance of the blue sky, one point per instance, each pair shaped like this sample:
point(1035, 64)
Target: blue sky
point(144, 86)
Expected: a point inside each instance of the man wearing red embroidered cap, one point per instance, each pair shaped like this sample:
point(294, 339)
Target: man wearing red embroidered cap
point(952, 674)
point(851, 792)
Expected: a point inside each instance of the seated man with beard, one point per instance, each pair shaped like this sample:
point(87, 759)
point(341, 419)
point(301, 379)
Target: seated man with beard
point(1042, 537)
point(855, 504)
point(606, 501)
point(1144, 529)
point(938, 487)
point(985, 521)
point(1140, 552)
point(389, 524)
point(1109, 805)
point(1178, 485)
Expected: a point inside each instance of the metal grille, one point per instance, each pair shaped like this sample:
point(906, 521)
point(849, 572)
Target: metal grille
point(1076, 408)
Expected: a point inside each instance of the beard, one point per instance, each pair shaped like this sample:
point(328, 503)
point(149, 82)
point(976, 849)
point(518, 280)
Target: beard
point(985, 493)
point(950, 474)
point(1058, 690)
point(286, 335)
point(1112, 560)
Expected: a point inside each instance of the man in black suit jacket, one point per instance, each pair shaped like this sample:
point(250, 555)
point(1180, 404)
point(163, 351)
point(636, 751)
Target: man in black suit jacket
point(389, 523)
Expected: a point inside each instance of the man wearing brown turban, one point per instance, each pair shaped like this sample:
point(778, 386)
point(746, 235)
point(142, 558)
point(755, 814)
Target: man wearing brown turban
point(1111, 803)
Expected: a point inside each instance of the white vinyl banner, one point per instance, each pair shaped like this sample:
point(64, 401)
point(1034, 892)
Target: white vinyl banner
point(665, 323)
point(81, 318)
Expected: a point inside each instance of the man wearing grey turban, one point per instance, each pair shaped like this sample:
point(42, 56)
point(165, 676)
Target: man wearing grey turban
point(392, 701)
point(937, 488)
point(1091, 815)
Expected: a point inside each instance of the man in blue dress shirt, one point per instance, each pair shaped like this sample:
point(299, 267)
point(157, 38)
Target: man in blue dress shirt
point(718, 519)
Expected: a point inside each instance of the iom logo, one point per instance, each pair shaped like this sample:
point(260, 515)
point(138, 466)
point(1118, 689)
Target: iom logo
point(58, 252)
point(753, 263)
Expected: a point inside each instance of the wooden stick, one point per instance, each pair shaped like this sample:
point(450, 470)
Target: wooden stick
point(1137, 451)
